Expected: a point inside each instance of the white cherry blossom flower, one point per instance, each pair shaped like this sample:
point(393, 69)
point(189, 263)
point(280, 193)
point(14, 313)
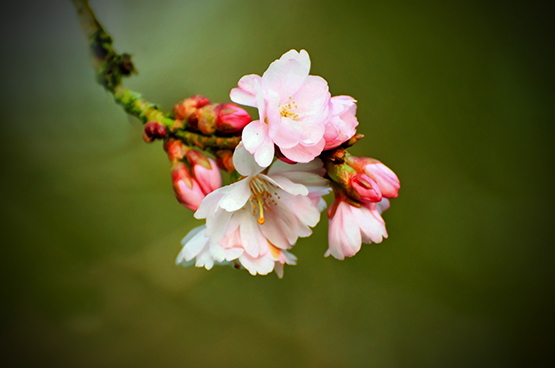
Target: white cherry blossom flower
point(256, 220)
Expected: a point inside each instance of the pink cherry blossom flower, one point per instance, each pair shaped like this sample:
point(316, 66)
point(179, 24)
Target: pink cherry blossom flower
point(256, 220)
point(293, 109)
point(350, 226)
point(342, 122)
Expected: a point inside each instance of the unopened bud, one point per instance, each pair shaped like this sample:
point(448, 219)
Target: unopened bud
point(230, 118)
point(187, 190)
point(386, 179)
point(224, 159)
point(176, 150)
point(183, 110)
point(364, 188)
point(204, 119)
point(154, 130)
point(209, 178)
point(205, 171)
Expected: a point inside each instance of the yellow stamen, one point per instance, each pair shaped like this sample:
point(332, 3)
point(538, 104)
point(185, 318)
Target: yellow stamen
point(261, 219)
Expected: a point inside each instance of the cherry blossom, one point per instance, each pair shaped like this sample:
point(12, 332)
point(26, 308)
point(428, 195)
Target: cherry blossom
point(256, 220)
point(350, 226)
point(342, 122)
point(293, 109)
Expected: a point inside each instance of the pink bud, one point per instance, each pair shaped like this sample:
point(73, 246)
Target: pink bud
point(231, 118)
point(205, 171)
point(187, 190)
point(154, 130)
point(385, 177)
point(208, 179)
point(365, 188)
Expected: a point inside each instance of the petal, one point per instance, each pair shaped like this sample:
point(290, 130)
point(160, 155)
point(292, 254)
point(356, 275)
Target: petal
point(243, 161)
point(264, 154)
point(285, 76)
point(343, 233)
point(386, 178)
point(192, 233)
point(245, 94)
point(315, 166)
point(237, 194)
point(312, 98)
point(286, 133)
point(301, 153)
point(194, 246)
point(251, 238)
point(383, 205)
point(286, 184)
point(341, 104)
point(209, 203)
point(278, 268)
point(371, 228)
point(301, 56)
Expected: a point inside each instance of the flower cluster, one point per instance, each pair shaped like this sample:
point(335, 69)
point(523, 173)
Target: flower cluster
point(256, 220)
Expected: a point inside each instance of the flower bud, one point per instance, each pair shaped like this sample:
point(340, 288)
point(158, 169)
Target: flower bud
point(386, 179)
point(231, 118)
point(224, 159)
point(154, 130)
point(204, 119)
point(187, 190)
point(176, 150)
point(364, 188)
point(205, 171)
point(183, 110)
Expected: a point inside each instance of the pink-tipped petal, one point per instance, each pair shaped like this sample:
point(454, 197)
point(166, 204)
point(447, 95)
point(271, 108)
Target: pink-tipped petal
point(386, 178)
point(304, 154)
point(245, 94)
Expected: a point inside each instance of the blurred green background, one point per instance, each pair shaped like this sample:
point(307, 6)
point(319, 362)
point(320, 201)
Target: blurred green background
point(456, 97)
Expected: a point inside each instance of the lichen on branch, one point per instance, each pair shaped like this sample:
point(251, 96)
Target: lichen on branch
point(111, 67)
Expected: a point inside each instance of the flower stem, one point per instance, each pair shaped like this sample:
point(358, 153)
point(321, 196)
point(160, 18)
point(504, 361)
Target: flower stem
point(111, 67)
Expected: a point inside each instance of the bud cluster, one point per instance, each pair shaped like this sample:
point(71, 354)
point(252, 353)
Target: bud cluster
point(193, 174)
point(362, 179)
point(206, 117)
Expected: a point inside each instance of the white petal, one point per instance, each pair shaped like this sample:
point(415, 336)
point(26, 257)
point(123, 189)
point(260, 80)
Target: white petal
point(278, 267)
point(192, 233)
point(194, 246)
point(265, 153)
point(286, 184)
point(237, 194)
point(254, 135)
point(208, 204)
point(251, 238)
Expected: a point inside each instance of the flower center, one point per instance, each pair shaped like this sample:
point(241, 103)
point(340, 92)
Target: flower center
point(285, 109)
point(261, 198)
